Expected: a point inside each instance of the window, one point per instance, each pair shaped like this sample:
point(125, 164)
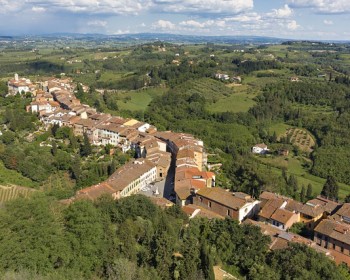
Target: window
point(201, 199)
point(333, 246)
point(228, 212)
point(342, 249)
point(209, 203)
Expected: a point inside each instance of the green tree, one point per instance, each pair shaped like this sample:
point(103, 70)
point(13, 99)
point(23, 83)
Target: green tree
point(85, 149)
point(302, 194)
point(54, 148)
point(330, 188)
point(309, 192)
point(32, 236)
point(85, 231)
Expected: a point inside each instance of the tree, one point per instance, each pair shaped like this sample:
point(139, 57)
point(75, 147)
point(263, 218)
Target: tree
point(54, 148)
point(330, 188)
point(85, 149)
point(309, 192)
point(302, 194)
point(293, 185)
point(32, 236)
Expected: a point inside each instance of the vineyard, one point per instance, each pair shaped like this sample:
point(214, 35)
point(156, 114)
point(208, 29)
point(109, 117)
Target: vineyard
point(12, 192)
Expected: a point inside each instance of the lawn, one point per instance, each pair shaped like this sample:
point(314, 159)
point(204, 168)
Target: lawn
point(279, 128)
point(294, 166)
point(138, 100)
point(240, 100)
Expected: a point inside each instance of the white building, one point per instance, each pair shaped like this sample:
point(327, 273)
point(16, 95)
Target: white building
point(18, 85)
point(260, 149)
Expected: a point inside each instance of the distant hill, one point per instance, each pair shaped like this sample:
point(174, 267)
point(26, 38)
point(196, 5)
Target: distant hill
point(151, 37)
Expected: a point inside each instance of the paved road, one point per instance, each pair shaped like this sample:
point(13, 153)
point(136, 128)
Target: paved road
point(165, 187)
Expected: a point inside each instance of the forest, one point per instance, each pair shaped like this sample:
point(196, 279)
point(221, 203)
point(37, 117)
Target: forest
point(134, 239)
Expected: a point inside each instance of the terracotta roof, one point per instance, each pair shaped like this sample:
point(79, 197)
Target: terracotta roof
point(199, 211)
point(329, 206)
point(282, 216)
point(95, 191)
point(343, 213)
point(336, 230)
point(223, 197)
point(270, 207)
point(161, 202)
point(123, 176)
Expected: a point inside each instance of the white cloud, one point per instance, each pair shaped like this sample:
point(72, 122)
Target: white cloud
point(204, 24)
point(9, 6)
point(328, 22)
point(204, 6)
point(97, 23)
point(192, 23)
point(134, 7)
point(121, 32)
point(248, 17)
point(38, 9)
point(163, 25)
point(124, 7)
point(323, 6)
point(282, 12)
point(292, 25)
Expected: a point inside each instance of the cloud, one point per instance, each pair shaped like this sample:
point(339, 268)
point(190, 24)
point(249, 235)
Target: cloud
point(328, 22)
point(9, 6)
point(292, 25)
point(284, 12)
point(192, 23)
point(121, 32)
point(124, 7)
point(204, 6)
point(204, 24)
point(163, 25)
point(248, 17)
point(128, 7)
point(323, 6)
point(38, 9)
point(97, 23)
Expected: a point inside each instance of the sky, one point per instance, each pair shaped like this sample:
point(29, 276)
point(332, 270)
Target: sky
point(291, 19)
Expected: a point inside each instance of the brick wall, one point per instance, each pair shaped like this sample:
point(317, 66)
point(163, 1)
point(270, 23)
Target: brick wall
point(216, 207)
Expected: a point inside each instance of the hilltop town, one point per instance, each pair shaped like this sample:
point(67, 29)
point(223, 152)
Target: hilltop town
point(181, 160)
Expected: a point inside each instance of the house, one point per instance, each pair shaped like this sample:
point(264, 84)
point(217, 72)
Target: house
point(294, 79)
point(188, 180)
point(343, 214)
point(283, 152)
point(223, 77)
point(20, 85)
point(125, 181)
point(282, 240)
point(260, 149)
point(198, 211)
point(279, 211)
point(237, 206)
point(334, 236)
point(314, 210)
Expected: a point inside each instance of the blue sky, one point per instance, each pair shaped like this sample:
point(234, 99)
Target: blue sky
point(295, 19)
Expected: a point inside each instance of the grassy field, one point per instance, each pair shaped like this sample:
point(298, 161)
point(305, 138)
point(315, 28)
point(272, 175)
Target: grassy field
point(8, 176)
point(138, 100)
point(279, 128)
point(294, 166)
point(240, 100)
